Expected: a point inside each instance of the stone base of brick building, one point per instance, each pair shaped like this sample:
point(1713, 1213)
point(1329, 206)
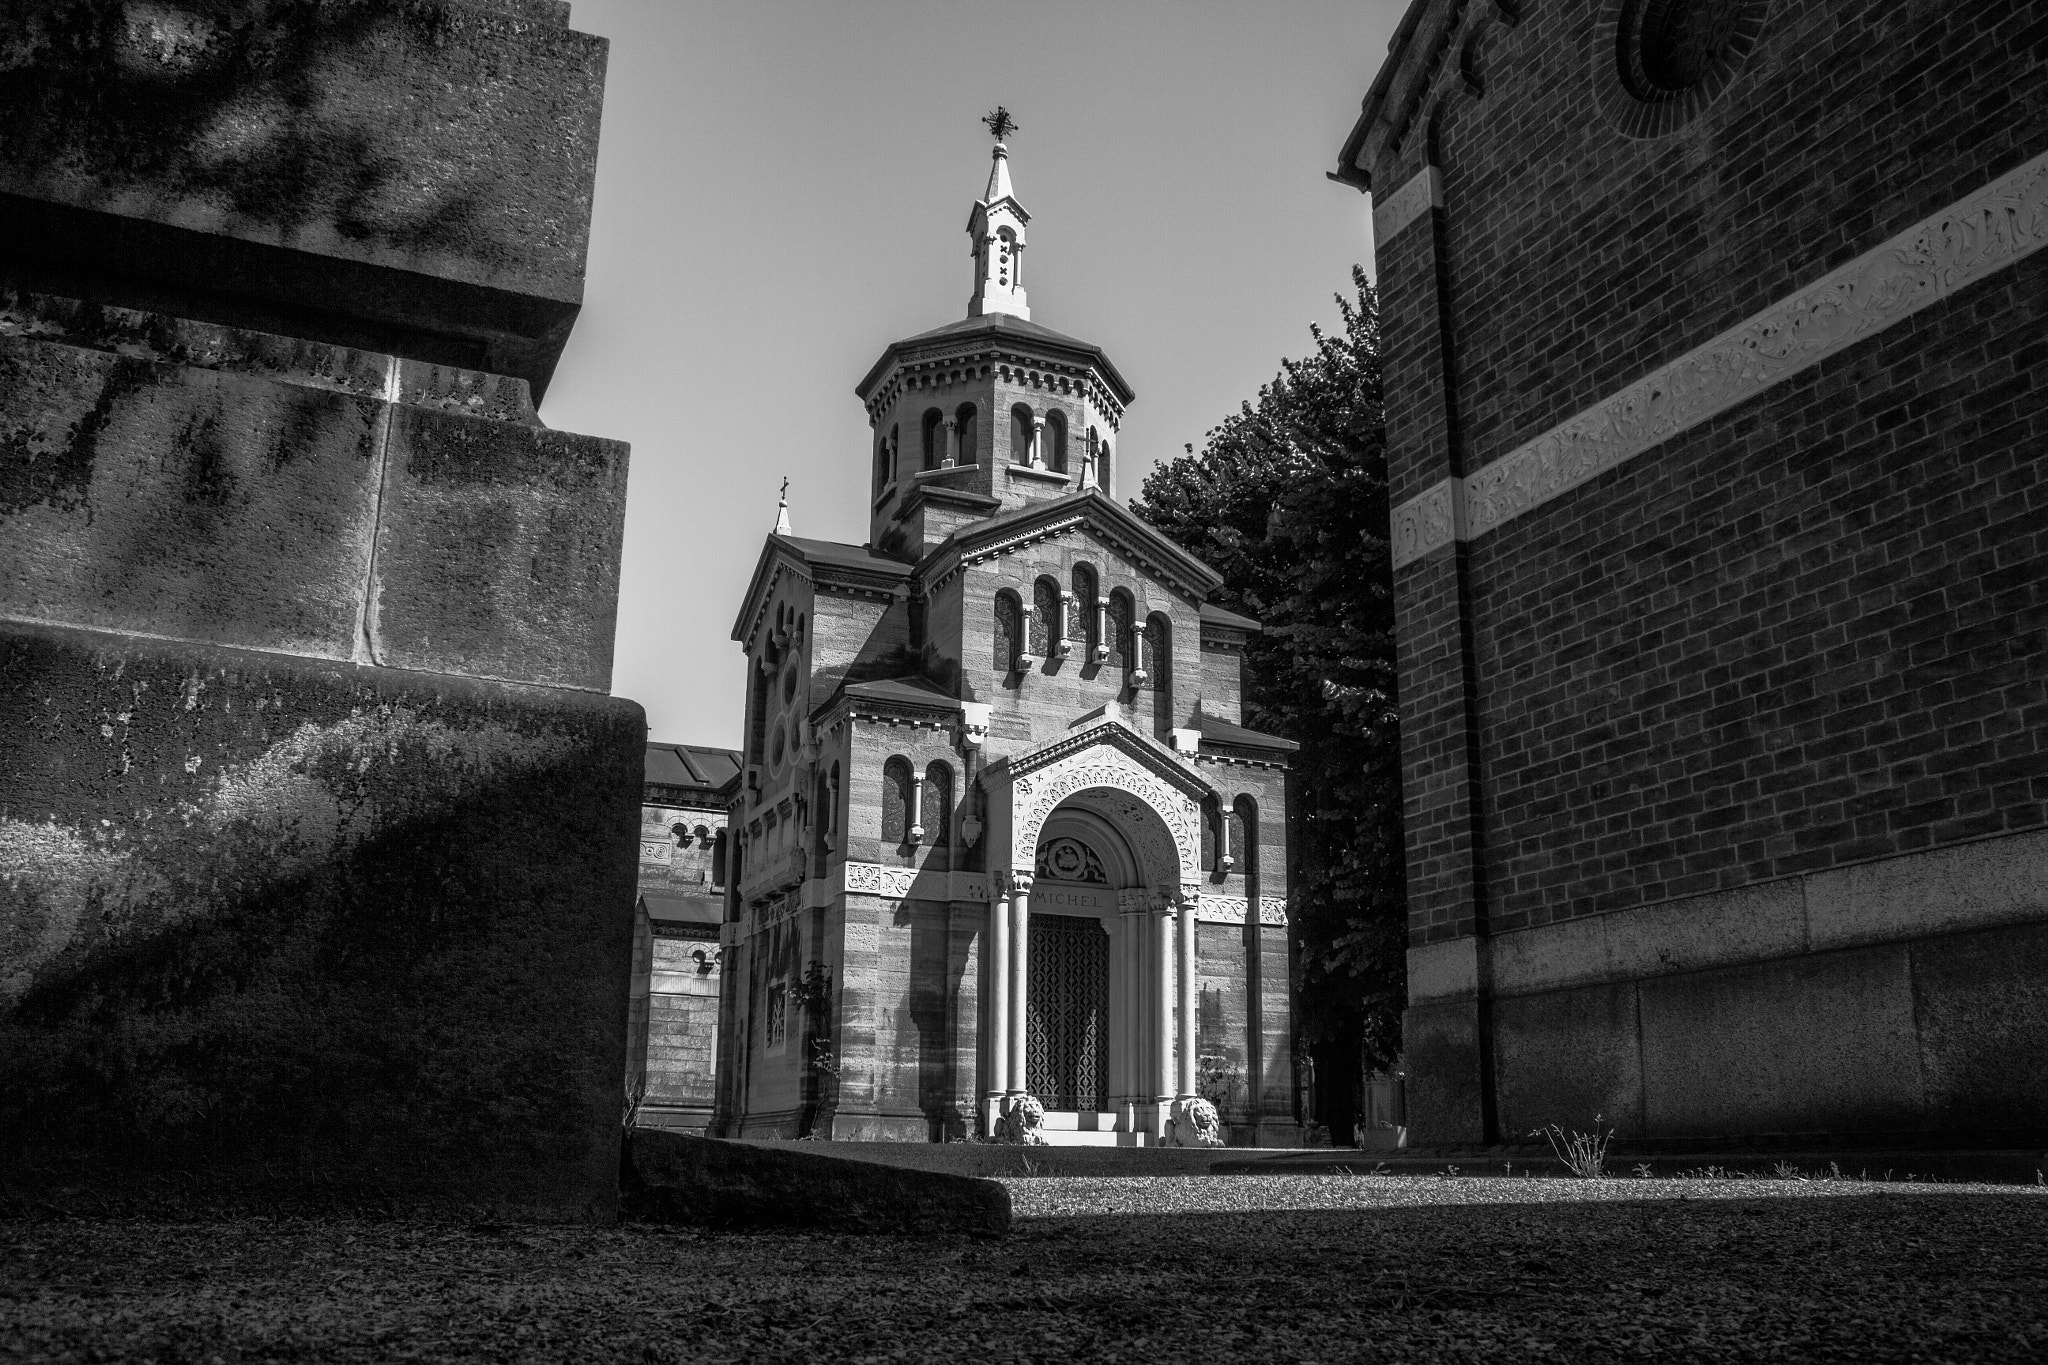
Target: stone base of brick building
point(283, 934)
point(1898, 997)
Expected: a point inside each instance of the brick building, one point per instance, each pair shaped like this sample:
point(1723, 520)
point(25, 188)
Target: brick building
point(1714, 332)
point(1000, 831)
point(673, 1036)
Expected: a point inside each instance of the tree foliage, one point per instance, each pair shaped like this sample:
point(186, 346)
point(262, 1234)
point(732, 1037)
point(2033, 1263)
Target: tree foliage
point(1288, 500)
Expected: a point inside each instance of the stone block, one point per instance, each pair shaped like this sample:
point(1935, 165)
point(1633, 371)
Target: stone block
point(183, 502)
point(498, 550)
point(286, 934)
point(1446, 1077)
point(1568, 1057)
point(410, 176)
point(251, 497)
point(673, 1178)
point(1988, 881)
point(1984, 1028)
point(1822, 1043)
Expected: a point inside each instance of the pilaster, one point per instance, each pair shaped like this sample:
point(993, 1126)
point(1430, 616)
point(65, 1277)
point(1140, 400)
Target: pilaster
point(1440, 758)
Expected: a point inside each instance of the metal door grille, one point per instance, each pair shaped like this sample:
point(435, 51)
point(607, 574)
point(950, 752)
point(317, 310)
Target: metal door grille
point(1066, 1036)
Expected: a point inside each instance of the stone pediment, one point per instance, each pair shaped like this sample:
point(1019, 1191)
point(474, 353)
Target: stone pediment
point(1138, 786)
point(1118, 531)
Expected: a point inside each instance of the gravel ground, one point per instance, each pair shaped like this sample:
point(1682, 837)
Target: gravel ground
point(1283, 1269)
point(1081, 1196)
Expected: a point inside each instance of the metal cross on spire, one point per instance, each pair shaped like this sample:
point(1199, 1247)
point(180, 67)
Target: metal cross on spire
point(1000, 124)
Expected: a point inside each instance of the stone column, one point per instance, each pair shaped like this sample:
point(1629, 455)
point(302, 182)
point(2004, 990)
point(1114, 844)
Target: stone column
point(1184, 983)
point(1130, 1015)
point(1162, 1002)
point(1038, 443)
point(952, 457)
point(998, 1083)
point(1020, 951)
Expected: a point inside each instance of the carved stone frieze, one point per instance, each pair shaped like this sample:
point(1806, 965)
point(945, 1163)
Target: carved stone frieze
point(1985, 232)
point(1233, 909)
point(910, 883)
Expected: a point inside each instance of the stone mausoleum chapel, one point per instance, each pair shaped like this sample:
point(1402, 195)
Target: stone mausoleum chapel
point(999, 831)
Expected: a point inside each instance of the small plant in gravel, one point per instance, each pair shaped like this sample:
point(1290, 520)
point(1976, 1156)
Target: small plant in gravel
point(1583, 1154)
point(1785, 1170)
point(1642, 1170)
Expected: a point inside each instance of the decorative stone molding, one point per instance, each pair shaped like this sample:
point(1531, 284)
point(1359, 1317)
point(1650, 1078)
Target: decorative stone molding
point(911, 883)
point(1101, 766)
point(1423, 192)
point(1233, 909)
point(1429, 521)
point(1981, 234)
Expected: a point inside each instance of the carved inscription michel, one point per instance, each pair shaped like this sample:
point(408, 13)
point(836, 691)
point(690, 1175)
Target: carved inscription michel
point(1999, 224)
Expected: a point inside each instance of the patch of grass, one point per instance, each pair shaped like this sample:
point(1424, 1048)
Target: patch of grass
point(1583, 1154)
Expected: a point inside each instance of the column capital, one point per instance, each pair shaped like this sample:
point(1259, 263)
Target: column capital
point(1013, 881)
point(1190, 894)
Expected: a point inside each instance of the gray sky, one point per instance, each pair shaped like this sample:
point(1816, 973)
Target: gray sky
point(783, 189)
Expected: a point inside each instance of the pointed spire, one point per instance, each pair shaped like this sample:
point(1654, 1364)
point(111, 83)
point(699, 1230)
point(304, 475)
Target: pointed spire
point(997, 229)
point(999, 178)
point(782, 510)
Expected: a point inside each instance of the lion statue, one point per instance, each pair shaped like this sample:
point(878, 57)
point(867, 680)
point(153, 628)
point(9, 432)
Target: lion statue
point(1194, 1123)
point(1021, 1123)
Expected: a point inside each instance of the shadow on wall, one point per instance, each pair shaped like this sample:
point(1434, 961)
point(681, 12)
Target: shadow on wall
point(345, 945)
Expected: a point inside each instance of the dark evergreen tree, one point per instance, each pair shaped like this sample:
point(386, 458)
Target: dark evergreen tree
point(1288, 500)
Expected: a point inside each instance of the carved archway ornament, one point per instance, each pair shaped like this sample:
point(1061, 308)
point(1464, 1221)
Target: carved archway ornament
point(1115, 774)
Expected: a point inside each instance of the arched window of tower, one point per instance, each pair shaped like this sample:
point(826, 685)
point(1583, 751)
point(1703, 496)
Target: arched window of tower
point(1119, 632)
point(1056, 439)
point(1082, 626)
point(1022, 425)
point(937, 817)
point(898, 801)
point(934, 438)
point(1008, 624)
point(965, 434)
point(1045, 606)
point(1157, 652)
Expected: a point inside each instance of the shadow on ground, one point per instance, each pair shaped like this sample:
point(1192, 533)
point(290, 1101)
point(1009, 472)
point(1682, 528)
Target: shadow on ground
point(1926, 1275)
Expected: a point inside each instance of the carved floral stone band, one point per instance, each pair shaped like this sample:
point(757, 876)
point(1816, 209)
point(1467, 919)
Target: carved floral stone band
point(2001, 223)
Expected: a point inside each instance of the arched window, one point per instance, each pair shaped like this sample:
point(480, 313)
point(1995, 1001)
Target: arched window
point(1157, 653)
point(937, 818)
point(1009, 623)
point(1119, 626)
point(964, 432)
point(1045, 609)
point(718, 848)
point(1081, 627)
point(896, 801)
point(881, 463)
point(1056, 441)
point(1212, 824)
point(1021, 423)
point(934, 438)
point(1244, 842)
point(1105, 478)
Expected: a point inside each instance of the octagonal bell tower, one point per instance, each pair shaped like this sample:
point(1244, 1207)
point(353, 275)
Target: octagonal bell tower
point(992, 412)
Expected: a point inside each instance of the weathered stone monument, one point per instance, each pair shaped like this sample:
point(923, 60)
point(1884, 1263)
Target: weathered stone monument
point(316, 819)
point(1717, 438)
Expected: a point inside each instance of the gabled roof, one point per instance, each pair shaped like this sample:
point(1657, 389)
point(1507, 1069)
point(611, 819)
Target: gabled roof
point(1005, 327)
point(1090, 508)
point(818, 560)
point(691, 765)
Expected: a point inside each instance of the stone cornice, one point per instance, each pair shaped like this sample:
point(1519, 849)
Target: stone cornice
point(2004, 222)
